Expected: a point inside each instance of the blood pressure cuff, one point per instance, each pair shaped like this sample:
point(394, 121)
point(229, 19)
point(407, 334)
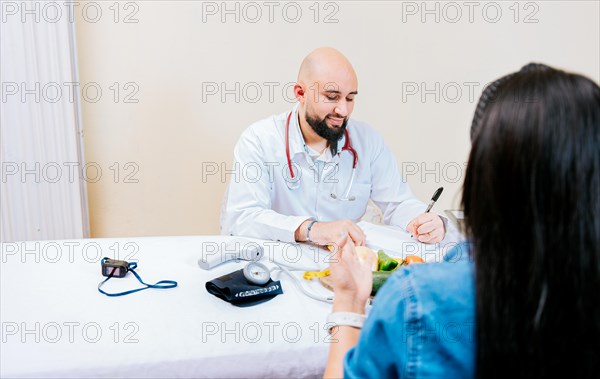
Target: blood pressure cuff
point(235, 289)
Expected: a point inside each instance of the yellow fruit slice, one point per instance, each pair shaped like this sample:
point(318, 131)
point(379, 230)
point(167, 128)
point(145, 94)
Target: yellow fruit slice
point(364, 252)
point(310, 275)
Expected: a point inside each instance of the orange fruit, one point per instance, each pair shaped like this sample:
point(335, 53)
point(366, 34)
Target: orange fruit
point(410, 259)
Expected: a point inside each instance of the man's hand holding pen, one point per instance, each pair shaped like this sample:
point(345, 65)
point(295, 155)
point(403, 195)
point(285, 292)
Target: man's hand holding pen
point(428, 227)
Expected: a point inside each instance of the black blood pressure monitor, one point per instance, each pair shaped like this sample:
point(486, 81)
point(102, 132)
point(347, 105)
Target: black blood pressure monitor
point(245, 287)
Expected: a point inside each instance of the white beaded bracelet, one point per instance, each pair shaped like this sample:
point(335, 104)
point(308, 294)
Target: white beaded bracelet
point(355, 320)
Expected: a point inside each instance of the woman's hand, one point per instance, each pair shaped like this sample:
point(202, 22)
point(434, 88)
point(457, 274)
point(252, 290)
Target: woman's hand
point(352, 279)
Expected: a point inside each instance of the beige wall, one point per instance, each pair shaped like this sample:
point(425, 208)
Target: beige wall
point(171, 51)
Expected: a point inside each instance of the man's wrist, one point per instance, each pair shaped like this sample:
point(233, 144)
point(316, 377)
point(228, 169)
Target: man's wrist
point(300, 233)
point(309, 229)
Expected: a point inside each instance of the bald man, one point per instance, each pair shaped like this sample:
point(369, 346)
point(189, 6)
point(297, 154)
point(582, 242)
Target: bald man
point(308, 174)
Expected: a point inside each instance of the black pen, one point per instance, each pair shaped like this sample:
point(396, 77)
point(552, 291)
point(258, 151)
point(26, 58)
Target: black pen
point(434, 198)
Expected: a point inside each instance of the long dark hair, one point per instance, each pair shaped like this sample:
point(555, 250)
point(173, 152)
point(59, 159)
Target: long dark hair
point(531, 200)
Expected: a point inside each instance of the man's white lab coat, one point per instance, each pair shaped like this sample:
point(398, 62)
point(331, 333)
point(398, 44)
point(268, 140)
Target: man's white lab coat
point(260, 204)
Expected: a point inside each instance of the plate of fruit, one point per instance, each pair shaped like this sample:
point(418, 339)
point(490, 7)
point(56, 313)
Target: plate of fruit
point(383, 267)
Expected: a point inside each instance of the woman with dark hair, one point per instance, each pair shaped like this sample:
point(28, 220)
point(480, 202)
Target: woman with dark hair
point(525, 300)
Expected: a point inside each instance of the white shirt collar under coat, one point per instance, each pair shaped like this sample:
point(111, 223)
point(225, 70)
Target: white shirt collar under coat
point(297, 142)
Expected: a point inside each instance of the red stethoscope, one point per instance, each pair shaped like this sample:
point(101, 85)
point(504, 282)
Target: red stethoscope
point(294, 183)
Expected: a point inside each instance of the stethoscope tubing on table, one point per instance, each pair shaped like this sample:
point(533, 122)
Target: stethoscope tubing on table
point(293, 183)
point(297, 282)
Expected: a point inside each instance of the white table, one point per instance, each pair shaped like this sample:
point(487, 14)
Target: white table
point(55, 323)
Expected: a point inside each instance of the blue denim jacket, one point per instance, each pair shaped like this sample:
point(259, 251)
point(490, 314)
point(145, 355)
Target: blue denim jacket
point(422, 324)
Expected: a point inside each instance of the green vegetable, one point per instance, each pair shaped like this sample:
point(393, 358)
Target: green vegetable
point(388, 265)
point(379, 278)
point(383, 256)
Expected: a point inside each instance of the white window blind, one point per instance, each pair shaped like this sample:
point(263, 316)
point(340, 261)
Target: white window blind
point(43, 195)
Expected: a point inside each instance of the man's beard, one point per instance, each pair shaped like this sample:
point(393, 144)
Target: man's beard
point(331, 134)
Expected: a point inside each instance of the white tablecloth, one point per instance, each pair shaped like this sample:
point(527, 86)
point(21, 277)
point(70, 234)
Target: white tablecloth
point(55, 323)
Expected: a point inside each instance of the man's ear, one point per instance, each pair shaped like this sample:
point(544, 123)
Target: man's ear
point(299, 93)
